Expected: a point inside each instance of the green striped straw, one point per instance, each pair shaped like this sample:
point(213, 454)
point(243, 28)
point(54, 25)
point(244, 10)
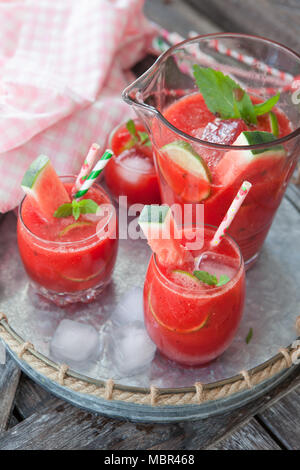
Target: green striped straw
point(98, 168)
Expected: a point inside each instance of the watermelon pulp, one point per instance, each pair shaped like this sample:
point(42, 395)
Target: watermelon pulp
point(159, 227)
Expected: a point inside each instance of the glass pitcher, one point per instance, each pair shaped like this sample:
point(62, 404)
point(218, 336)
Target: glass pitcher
point(183, 133)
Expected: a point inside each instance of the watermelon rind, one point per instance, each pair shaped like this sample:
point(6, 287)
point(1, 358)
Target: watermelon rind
point(33, 172)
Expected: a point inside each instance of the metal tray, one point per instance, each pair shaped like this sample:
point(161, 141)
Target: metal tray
point(272, 305)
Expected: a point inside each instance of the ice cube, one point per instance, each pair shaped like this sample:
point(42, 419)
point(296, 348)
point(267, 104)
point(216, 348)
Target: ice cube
point(218, 132)
point(75, 343)
point(223, 131)
point(133, 350)
point(217, 265)
point(130, 308)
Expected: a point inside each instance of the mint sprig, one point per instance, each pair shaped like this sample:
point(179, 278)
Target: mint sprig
point(137, 137)
point(226, 99)
point(76, 208)
point(210, 279)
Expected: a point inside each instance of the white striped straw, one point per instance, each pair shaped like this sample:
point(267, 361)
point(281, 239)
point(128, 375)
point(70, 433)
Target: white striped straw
point(87, 166)
point(90, 180)
point(231, 213)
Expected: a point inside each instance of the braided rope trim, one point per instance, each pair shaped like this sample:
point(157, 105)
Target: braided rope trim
point(153, 396)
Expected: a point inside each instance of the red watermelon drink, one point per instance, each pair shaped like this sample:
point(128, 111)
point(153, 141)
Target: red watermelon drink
point(191, 314)
point(131, 171)
point(68, 251)
point(217, 118)
point(191, 173)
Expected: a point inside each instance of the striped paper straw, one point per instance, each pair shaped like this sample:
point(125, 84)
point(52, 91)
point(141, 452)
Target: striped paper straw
point(277, 77)
point(87, 166)
point(246, 59)
point(231, 213)
point(98, 168)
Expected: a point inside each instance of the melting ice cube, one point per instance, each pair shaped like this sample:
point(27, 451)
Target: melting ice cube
point(130, 308)
point(74, 342)
point(219, 132)
point(217, 265)
point(133, 350)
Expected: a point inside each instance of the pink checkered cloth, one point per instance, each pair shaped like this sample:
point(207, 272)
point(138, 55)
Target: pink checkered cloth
point(63, 65)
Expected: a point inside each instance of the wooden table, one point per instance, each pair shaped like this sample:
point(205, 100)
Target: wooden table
point(31, 418)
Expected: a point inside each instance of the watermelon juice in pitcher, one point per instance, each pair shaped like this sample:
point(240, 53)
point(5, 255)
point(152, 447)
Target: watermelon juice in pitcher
point(215, 122)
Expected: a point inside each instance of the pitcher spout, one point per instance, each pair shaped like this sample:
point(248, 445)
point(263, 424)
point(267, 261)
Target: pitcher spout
point(137, 95)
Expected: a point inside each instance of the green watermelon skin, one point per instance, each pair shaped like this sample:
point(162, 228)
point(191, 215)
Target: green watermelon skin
point(44, 188)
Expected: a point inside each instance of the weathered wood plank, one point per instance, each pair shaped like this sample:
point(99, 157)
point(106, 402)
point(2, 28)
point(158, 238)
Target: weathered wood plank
point(252, 436)
point(62, 426)
point(275, 19)
point(283, 419)
point(9, 379)
point(31, 398)
point(178, 16)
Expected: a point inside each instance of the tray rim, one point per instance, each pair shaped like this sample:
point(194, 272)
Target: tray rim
point(107, 389)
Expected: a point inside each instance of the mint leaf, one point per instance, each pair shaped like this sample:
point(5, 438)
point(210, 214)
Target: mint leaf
point(223, 96)
point(210, 279)
point(223, 280)
point(249, 336)
point(144, 138)
point(130, 125)
point(75, 208)
point(263, 108)
point(65, 210)
point(137, 137)
point(205, 277)
point(88, 206)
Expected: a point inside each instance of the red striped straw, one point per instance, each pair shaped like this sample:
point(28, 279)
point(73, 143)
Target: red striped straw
point(231, 213)
point(87, 166)
point(246, 59)
point(276, 77)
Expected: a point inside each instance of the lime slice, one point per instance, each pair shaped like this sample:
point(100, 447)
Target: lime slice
point(84, 279)
point(187, 158)
point(185, 171)
point(184, 277)
point(73, 226)
point(274, 123)
point(176, 330)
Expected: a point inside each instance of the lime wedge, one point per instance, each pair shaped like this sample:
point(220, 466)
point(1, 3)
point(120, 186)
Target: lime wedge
point(185, 171)
point(274, 123)
point(73, 226)
point(170, 328)
point(187, 158)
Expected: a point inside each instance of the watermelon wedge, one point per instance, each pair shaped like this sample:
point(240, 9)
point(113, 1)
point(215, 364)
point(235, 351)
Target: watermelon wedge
point(235, 162)
point(185, 171)
point(44, 188)
point(159, 227)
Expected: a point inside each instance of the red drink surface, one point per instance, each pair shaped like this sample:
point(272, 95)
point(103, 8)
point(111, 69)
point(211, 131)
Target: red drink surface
point(190, 322)
point(131, 172)
point(268, 175)
point(66, 258)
